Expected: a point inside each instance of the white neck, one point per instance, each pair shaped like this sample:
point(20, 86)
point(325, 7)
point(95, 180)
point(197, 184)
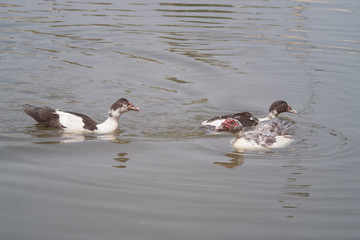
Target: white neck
point(109, 125)
point(272, 114)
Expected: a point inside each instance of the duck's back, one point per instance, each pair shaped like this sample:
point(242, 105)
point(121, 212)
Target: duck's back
point(245, 118)
point(276, 125)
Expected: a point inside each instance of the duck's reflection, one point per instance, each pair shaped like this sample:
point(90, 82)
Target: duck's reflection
point(294, 187)
point(74, 138)
point(55, 137)
point(47, 136)
point(236, 159)
point(121, 159)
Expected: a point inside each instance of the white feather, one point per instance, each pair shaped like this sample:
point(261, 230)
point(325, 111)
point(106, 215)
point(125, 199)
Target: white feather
point(215, 123)
point(241, 144)
point(70, 121)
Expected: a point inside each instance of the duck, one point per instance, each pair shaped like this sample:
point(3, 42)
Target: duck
point(77, 122)
point(247, 119)
point(256, 140)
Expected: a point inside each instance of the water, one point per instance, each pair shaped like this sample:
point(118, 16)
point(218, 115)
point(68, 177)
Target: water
point(159, 176)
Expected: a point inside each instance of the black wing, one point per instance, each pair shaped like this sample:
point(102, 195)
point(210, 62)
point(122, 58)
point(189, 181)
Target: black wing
point(43, 115)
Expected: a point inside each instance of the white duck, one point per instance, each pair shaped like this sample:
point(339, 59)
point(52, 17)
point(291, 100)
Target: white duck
point(256, 140)
point(77, 122)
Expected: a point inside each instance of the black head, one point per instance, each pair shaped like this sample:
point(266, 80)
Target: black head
point(280, 107)
point(230, 125)
point(120, 106)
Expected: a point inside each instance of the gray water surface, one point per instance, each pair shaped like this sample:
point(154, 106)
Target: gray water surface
point(159, 176)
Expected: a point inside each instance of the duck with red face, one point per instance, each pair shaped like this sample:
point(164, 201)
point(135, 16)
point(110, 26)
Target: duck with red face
point(247, 119)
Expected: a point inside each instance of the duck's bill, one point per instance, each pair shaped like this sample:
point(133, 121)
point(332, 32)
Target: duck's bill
point(291, 110)
point(133, 108)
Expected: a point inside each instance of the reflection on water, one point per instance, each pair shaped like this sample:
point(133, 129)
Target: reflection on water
point(293, 187)
point(121, 158)
point(196, 20)
point(42, 135)
point(236, 160)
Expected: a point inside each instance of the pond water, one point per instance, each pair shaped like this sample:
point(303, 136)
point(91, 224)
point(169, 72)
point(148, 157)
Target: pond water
point(182, 62)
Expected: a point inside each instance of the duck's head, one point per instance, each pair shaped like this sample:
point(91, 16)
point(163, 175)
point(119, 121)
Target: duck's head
point(230, 125)
point(120, 106)
point(279, 107)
